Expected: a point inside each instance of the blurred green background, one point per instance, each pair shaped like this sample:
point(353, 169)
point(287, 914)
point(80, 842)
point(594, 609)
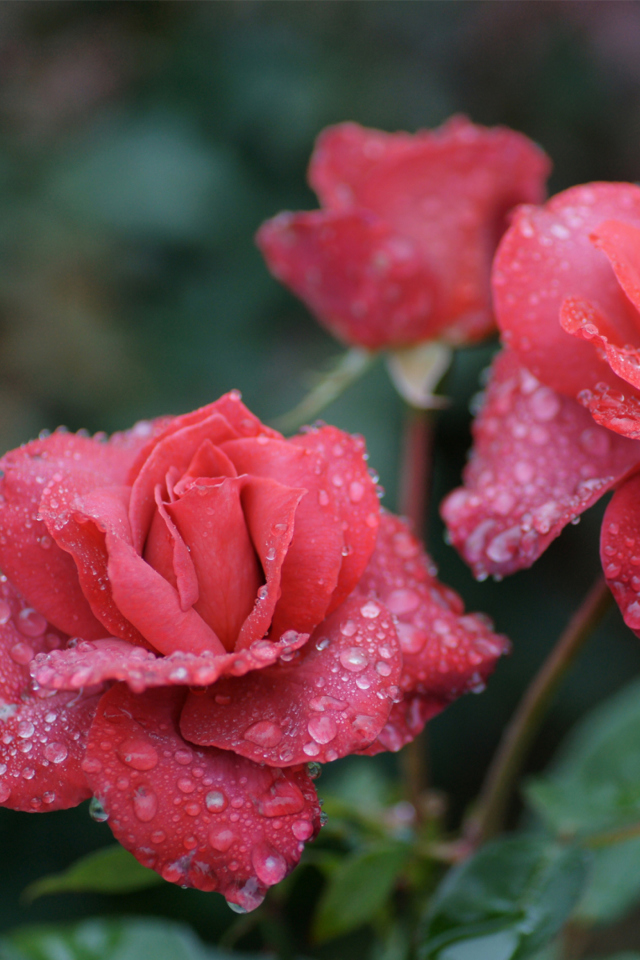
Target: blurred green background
point(141, 145)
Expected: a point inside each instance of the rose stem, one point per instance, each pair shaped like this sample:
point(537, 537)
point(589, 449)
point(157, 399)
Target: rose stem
point(415, 481)
point(490, 810)
point(349, 367)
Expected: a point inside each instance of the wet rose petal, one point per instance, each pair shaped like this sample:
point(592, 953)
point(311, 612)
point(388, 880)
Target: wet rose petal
point(112, 659)
point(620, 550)
point(328, 700)
point(356, 500)
point(546, 256)
point(42, 737)
point(446, 652)
point(538, 462)
point(201, 817)
point(403, 251)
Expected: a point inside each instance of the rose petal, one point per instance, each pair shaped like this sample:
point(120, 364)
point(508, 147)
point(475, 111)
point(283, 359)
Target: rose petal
point(538, 462)
point(356, 498)
point(201, 817)
point(445, 652)
point(176, 451)
point(331, 699)
point(211, 520)
point(620, 550)
point(312, 565)
point(152, 605)
point(42, 737)
point(406, 720)
point(364, 282)
point(547, 256)
point(270, 511)
point(583, 320)
point(94, 662)
point(613, 410)
point(44, 572)
point(166, 552)
point(620, 242)
point(79, 525)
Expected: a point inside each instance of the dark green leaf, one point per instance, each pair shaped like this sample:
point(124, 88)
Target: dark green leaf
point(110, 940)
point(506, 902)
point(594, 784)
point(357, 890)
point(109, 870)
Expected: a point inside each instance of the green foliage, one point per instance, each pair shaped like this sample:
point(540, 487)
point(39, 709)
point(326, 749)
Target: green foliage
point(359, 888)
point(506, 902)
point(594, 788)
point(109, 870)
point(109, 940)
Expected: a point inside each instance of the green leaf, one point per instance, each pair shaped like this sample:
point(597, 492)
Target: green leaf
point(358, 889)
point(110, 940)
point(109, 870)
point(506, 902)
point(593, 786)
point(594, 783)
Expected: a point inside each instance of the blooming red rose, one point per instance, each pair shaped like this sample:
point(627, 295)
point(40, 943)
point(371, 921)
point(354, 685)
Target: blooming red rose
point(401, 250)
point(567, 294)
point(196, 609)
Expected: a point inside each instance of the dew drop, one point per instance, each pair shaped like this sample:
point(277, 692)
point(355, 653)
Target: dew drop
point(137, 753)
point(21, 653)
point(25, 729)
point(302, 829)
point(264, 733)
point(270, 866)
point(323, 729)
point(31, 623)
point(370, 610)
point(145, 804)
point(97, 812)
point(5, 792)
point(314, 770)
point(56, 752)
point(354, 659)
point(221, 838)
point(216, 801)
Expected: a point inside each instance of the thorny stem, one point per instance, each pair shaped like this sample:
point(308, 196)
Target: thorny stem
point(415, 482)
point(487, 818)
point(349, 367)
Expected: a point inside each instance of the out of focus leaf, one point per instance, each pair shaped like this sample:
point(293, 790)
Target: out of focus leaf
point(110, 940)
point(358, 889)
point(594, 786)
point(109, 870)
point(506, 902)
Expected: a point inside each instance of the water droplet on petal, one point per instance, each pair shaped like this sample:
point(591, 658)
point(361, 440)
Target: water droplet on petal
point(5, 792)
point(264, 733)
point(137, 753)
point(322, 729)
point(354, 659)
point(21, 653)
point(97, 811)
point(270, 866)
point(302, 829)
point(370, 610)
point(221, 838)
point(25, 729)
point(145, 804)
point(56, 752)
point(216, 801)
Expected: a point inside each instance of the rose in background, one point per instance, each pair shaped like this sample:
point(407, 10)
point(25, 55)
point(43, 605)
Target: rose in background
point(401, 250)
point(560, 422)
point(193, 611)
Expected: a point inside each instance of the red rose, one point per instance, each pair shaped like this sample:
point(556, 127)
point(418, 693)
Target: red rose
point(567, 294)
point(401, 251)
point(238, 605)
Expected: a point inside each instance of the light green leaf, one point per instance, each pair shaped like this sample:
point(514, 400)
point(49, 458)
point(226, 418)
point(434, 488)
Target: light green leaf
point(110, 940)
point(358, 889)
point(506, 902)
point(109, 870)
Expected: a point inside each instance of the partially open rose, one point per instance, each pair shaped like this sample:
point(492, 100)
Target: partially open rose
point(204, 607)
point(401, 250)
point(567, 296)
